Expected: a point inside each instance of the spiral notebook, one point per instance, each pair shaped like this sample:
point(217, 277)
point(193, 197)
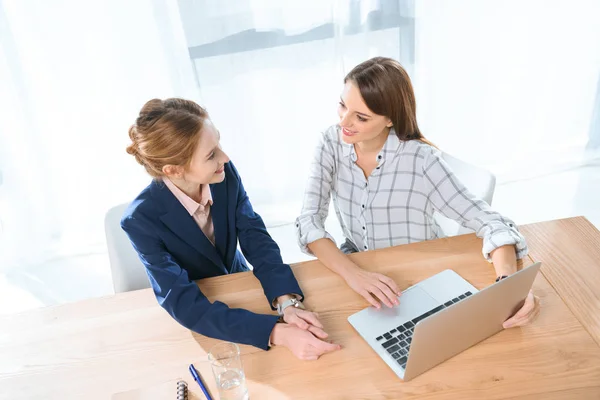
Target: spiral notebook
point(178, 389)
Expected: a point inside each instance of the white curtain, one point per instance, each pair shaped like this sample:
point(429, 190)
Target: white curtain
point(73, 75)
point(510, 85)
point(232, 17)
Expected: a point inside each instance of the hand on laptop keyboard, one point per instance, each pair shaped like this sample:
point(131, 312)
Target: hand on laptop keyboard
point(373, 287)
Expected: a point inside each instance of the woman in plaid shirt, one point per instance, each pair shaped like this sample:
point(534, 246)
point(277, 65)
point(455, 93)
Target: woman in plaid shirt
point(386, 181)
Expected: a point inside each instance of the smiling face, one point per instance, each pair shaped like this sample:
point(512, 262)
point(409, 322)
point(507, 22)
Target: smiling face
point(208, 162)
point(358, 122)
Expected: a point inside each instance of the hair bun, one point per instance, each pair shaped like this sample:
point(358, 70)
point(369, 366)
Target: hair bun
point(134, 148)
point(150, 113)
point(166, 133)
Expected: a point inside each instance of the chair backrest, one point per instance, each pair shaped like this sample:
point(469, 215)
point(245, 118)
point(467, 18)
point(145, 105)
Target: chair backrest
point(479, 181)
point(128, 272)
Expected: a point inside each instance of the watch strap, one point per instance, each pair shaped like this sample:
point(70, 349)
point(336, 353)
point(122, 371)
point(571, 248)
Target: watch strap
point(293, 302)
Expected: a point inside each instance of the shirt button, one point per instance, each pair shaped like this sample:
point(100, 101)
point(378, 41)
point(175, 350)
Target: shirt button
point(366, 248)
point(364, 228)
point(378, 167)
point(379, 157)
point(363, 206)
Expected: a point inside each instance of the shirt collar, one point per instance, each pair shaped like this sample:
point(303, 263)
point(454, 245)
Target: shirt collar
point(186, 201)
point(390, 147)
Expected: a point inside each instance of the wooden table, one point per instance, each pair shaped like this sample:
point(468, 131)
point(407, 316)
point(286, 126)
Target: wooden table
point(126, 346)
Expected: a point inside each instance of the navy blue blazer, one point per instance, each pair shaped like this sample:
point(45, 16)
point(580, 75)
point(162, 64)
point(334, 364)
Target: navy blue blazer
point(176, 252)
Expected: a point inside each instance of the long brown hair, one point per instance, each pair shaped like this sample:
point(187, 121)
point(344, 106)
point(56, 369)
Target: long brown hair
point(386, 89)
point(166, 132)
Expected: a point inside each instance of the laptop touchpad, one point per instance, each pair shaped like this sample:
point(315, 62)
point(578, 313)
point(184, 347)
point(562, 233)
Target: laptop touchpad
point(413, 302)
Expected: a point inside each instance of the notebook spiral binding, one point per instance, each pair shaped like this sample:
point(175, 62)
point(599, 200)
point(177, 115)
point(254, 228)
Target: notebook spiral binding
point(182, 390)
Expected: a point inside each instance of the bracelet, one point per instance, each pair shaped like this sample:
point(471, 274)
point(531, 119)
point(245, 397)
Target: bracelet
point(498, 279)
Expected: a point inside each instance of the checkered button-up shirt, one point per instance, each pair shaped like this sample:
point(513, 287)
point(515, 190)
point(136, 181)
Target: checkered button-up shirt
point(395, 204)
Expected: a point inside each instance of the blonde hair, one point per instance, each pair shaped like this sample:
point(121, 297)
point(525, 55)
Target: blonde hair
point(166, 132)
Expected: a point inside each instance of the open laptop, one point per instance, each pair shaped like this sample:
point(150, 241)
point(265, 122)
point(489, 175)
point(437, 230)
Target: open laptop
point(439, 318)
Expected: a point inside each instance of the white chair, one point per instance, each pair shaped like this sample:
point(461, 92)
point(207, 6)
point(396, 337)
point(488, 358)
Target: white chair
point(128, 272)
point(479, 181)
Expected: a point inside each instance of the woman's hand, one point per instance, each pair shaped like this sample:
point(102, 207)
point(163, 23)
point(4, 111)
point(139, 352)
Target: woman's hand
point(527, 313)
point(373, 287)
point(301, 343)
point(304, 319)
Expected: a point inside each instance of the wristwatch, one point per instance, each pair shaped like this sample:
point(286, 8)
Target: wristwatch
point(293, 302)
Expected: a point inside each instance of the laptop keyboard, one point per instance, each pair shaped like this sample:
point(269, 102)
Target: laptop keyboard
point(397, 341)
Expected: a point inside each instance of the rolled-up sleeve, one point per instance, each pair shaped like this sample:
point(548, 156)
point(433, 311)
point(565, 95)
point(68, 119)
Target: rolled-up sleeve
point(310, 225)
point(452, 199)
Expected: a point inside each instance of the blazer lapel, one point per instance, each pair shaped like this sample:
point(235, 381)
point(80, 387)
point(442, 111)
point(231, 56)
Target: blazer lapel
point(181, 223)
point(219, 216)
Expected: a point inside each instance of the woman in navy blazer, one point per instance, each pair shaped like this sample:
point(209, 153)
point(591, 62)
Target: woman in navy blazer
point(186, 226)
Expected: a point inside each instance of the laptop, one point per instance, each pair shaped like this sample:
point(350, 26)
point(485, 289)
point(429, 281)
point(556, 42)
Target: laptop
point(439, 318)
